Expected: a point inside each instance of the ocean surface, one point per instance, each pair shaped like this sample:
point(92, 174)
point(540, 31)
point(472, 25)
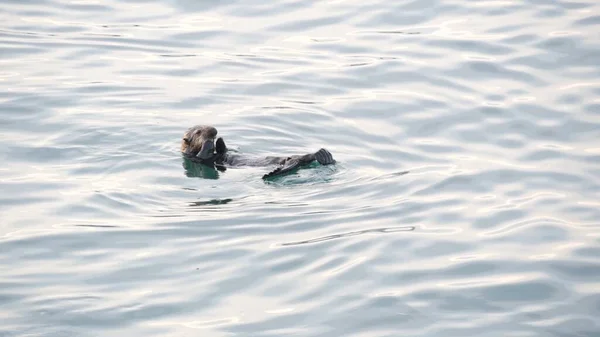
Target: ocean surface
point(465, 200)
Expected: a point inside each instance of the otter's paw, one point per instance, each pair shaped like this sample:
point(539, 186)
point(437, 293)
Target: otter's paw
point(289, 167)
point(220, 146)
point(272, 173)
point(324, 157)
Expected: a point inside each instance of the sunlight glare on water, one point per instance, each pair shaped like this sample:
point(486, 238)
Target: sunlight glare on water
point(465, 200)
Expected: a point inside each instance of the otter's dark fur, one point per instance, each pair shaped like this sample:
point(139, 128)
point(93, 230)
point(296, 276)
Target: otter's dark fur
point(196, 137)
point(198, 145)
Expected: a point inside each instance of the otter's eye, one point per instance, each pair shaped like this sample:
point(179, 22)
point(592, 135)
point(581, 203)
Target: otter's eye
point(187, 141)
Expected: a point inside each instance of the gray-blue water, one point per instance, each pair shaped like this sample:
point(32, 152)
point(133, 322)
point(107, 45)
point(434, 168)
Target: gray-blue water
point(492, 107)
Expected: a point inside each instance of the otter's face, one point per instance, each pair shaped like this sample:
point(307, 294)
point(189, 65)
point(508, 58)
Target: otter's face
point(199, 141)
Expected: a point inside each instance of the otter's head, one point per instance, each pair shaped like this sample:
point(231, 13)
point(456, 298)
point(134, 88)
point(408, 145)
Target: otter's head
point(199, 141)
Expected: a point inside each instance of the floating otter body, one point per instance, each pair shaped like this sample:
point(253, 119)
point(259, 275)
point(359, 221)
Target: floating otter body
point(198, 144)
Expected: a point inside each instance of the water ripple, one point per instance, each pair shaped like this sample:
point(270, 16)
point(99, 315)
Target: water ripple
point(464, 201)
point(337, 236)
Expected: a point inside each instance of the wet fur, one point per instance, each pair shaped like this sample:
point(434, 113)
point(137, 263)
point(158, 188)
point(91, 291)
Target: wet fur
point(194, 137)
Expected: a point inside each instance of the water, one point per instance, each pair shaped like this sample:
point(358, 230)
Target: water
point(466, 201)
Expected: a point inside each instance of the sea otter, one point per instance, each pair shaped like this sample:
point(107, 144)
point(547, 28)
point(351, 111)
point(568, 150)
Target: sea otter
point(198, 144)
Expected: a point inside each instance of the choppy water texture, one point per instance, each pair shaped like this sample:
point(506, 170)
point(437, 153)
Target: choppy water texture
point(492, 107)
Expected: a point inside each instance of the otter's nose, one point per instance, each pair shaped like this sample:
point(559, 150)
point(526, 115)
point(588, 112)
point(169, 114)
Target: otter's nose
point(209, 132)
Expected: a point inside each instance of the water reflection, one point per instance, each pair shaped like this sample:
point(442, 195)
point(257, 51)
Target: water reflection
point(487, 235)
point(197, 170)
point(211, 202)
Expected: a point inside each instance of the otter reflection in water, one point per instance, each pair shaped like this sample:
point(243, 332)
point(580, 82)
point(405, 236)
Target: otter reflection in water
point(195, 170)
point(199, 146)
